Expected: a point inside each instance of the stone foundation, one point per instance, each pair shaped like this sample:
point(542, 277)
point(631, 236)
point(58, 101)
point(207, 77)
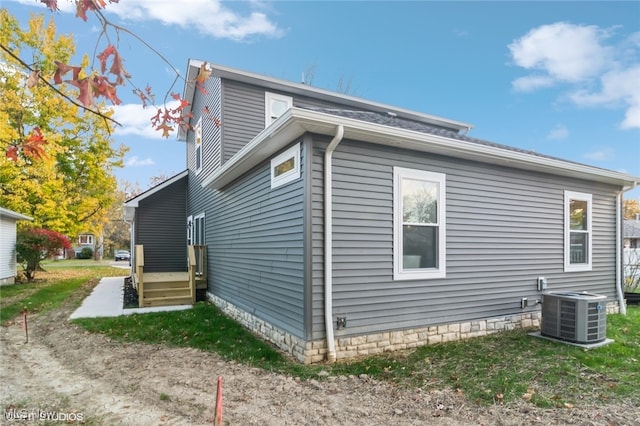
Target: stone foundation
point(288, 343)
point(371, 344)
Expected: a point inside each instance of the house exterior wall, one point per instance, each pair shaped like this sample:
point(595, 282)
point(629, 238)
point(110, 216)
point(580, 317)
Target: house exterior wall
point(160, 225)
point(7, 250)
point(504, 229)
point(254, 234)
point(244, 110)
point(255, 246)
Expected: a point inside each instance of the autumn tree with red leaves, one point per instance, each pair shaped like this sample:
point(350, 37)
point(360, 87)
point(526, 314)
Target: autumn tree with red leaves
point(94, 84)
point(36, 244)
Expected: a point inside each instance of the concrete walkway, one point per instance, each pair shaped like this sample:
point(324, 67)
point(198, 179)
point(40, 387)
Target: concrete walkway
point(106, 300)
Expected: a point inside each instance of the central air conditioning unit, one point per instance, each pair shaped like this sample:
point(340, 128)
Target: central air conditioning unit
point(574, 317)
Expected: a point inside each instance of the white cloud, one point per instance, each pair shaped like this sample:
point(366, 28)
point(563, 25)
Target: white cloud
point(134, 161)
point(565, 51)
point(532, 82)
point(558, 133)
point(617, 87)
point(136, 120)
point(210, 17)
point(601, 154)
point(594, 73)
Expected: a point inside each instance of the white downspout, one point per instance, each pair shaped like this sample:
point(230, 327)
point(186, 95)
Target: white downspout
point(619, 263)
point(619, 237)
point(328, 243)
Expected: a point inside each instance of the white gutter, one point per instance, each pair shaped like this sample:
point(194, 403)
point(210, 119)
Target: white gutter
point(619, 237)
point(328, 243)
point(297, 121)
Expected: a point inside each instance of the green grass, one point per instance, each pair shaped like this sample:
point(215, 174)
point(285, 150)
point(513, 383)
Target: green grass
point(49, 290)
point(505, 367)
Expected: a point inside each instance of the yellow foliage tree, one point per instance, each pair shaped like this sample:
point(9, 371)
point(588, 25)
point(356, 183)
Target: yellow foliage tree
point(63, 176)
point(631, 209)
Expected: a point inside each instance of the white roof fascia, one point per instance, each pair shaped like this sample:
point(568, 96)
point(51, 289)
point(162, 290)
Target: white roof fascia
point(315, 93)
point(13, 215)
point(134, 202)
point(296, 122)
point(189, 90)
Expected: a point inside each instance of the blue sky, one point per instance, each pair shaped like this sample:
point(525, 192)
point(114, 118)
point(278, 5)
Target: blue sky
point(560, 78)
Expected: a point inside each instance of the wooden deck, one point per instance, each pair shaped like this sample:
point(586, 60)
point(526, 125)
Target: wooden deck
point(168, 288)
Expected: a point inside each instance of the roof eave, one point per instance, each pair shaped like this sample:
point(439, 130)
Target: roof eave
point(135, 201)
point(188, 93)
point(311, 91)
point(296, 122)
point(13, 215)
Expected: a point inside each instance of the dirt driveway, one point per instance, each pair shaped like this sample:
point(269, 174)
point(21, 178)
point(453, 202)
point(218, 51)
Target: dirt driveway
point(68, 372)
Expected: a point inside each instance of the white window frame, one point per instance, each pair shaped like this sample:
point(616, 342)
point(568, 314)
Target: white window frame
point(192, 237)
point(197, 148)
point(578, 196)
point(88, 242)
point(290, 175)
point(268, 98)
point(399, 272)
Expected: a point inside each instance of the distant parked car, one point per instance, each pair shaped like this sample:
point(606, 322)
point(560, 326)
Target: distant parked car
point(122, 255)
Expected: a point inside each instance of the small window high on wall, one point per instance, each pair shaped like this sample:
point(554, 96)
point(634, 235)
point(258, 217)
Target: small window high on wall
point(577, 231)
point(275, 106)
point(285, 167)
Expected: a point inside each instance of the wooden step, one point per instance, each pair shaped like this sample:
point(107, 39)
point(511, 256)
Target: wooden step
point(166, 285)
point(167, 301)
point(165, 276)
point(166, 292)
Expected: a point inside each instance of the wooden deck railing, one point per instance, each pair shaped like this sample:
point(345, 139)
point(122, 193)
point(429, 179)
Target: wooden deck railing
point(201, 262)
point(192, 274)
point(138, 277)
point(167, 288)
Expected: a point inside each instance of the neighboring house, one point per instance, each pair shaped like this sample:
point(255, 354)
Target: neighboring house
point(338, 227)
point(92, 241)
point(8, 233)
point(631, 233)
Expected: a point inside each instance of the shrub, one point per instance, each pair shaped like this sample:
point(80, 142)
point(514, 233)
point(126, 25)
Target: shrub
point(85, 253)
point(35, 244)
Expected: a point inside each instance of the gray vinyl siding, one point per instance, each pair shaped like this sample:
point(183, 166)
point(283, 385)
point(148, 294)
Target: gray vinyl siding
point(504, 229)
point(244, 110)
point(256, 247)
point(211, 133)
point(242, 115)
point(160, 227)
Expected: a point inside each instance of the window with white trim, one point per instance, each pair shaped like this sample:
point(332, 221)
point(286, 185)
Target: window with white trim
point(419, 224)
point(285, 167)
point(198, 146)
point(577, 231)
point(274, 106)
point(85, 239)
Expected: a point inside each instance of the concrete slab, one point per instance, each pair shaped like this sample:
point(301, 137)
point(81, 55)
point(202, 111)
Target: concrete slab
point(605, 342)
point(106, 300)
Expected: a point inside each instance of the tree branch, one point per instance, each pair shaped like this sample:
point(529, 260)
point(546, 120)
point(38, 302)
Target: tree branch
point(41, 78)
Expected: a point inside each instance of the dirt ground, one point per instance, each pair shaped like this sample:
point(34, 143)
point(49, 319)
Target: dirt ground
point(66, 371)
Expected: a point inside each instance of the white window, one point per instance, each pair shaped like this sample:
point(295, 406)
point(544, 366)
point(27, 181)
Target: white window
point(198, 146)
point(577, 231)
point(274, 106)
point(195, 230)
point(85, 239)
point(285, 167)
point(419, 235)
